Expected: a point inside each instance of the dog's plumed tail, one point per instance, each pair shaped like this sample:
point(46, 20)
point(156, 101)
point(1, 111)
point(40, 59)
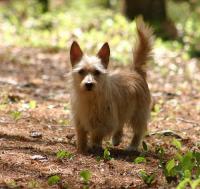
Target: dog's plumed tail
point(143, 47)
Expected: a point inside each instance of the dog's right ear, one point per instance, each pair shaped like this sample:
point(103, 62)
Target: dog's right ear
point(75, 53)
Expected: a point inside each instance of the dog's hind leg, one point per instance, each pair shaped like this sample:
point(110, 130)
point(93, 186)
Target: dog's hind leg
point(117, 137)
point(96, 139)
point(139, 127)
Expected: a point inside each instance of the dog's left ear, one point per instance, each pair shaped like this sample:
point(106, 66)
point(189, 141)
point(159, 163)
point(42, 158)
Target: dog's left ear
point(104, 54)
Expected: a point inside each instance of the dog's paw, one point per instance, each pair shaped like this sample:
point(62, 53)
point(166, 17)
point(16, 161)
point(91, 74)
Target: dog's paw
point(96, 149)
point(82, 150)
point(95, 146)
point(132, 149)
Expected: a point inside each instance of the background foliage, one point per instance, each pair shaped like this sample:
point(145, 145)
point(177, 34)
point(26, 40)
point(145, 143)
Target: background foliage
point(91, 23)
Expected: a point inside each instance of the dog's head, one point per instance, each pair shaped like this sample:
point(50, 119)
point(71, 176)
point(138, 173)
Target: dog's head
point(89, 71)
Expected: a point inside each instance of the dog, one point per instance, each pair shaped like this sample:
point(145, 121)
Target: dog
point(104, 101)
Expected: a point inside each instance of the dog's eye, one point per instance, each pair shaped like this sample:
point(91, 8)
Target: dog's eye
point(81, 72)
point(97, 72)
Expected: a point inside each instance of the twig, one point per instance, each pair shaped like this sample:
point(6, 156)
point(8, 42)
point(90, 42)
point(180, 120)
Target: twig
point(166, 133)
point(195, 124)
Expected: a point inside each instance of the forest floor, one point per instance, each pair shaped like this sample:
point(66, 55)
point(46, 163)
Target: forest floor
point(35, 125)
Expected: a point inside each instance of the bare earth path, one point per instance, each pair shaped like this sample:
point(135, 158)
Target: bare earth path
point(34, 75)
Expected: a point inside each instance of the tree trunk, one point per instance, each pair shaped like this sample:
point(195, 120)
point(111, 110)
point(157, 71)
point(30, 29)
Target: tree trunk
point(45, 5)
point(151, 10)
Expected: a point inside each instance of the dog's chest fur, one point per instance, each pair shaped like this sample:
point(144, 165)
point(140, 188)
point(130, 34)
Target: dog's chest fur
point(95, 112)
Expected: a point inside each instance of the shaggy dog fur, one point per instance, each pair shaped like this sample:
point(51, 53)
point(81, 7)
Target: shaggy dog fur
point(104, 101)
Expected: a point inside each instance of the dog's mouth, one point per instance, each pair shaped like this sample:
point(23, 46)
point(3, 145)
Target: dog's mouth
point(90, 89)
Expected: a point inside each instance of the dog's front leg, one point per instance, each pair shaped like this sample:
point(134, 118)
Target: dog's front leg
point(96, 139)
point(117, 137)
point(81, 139)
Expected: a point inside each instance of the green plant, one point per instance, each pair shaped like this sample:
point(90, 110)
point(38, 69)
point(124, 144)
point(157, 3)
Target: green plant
point(144, 145)
point(3, 106)
point(184, 167)
point(85, 176)
point(98, 158)
point(12, 184)
point(55, 179)
point(169, 168)
point(140, 160)
point(61, 154)
point(177, 143)
point(148, 179)
point(16, 115)
point(64, 122)
point(66, 106)
point(194, 184)
point(160, 152)
point(32, 104)
point(156, 110)
point(106, 154)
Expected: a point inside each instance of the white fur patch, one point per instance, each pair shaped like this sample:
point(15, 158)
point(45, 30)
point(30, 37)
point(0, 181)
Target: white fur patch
point(90, 61)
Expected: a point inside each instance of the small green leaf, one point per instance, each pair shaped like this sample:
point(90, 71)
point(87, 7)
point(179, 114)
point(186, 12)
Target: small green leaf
point(160, 151)
point(63, 122)
point(179, 156)
point(150, 179)
point(187, 162)
point(143, 174)
point(16, 115)
point(157, 108)
point(147, 178)
point(183, 183)
point(3, 106)
point(106, 154)
point(32, 104)
point(85, 176)
point(177, 144)
point(11, 183)
point(61, 154)
point(140, 160)
point(98, 158)
point(196, 155)
point(54, 180)
point(170, 165)
point(194, 184)
point(187, 174)
point(66, 106)
point(144, 145)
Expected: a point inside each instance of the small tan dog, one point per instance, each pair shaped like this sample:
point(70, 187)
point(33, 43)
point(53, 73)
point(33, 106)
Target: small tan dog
point(104, 101)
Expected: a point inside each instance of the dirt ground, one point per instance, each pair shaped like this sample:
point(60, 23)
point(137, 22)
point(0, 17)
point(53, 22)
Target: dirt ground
point(29, 141)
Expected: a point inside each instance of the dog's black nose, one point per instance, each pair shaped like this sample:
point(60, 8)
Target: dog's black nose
point(89, 86)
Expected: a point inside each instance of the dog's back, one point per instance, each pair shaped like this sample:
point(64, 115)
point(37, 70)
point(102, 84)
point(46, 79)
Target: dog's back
point(131, 86)
point(133, 95)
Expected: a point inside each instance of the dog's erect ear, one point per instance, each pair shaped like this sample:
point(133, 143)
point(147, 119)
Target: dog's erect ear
point(75, 53)
point(104, 54)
